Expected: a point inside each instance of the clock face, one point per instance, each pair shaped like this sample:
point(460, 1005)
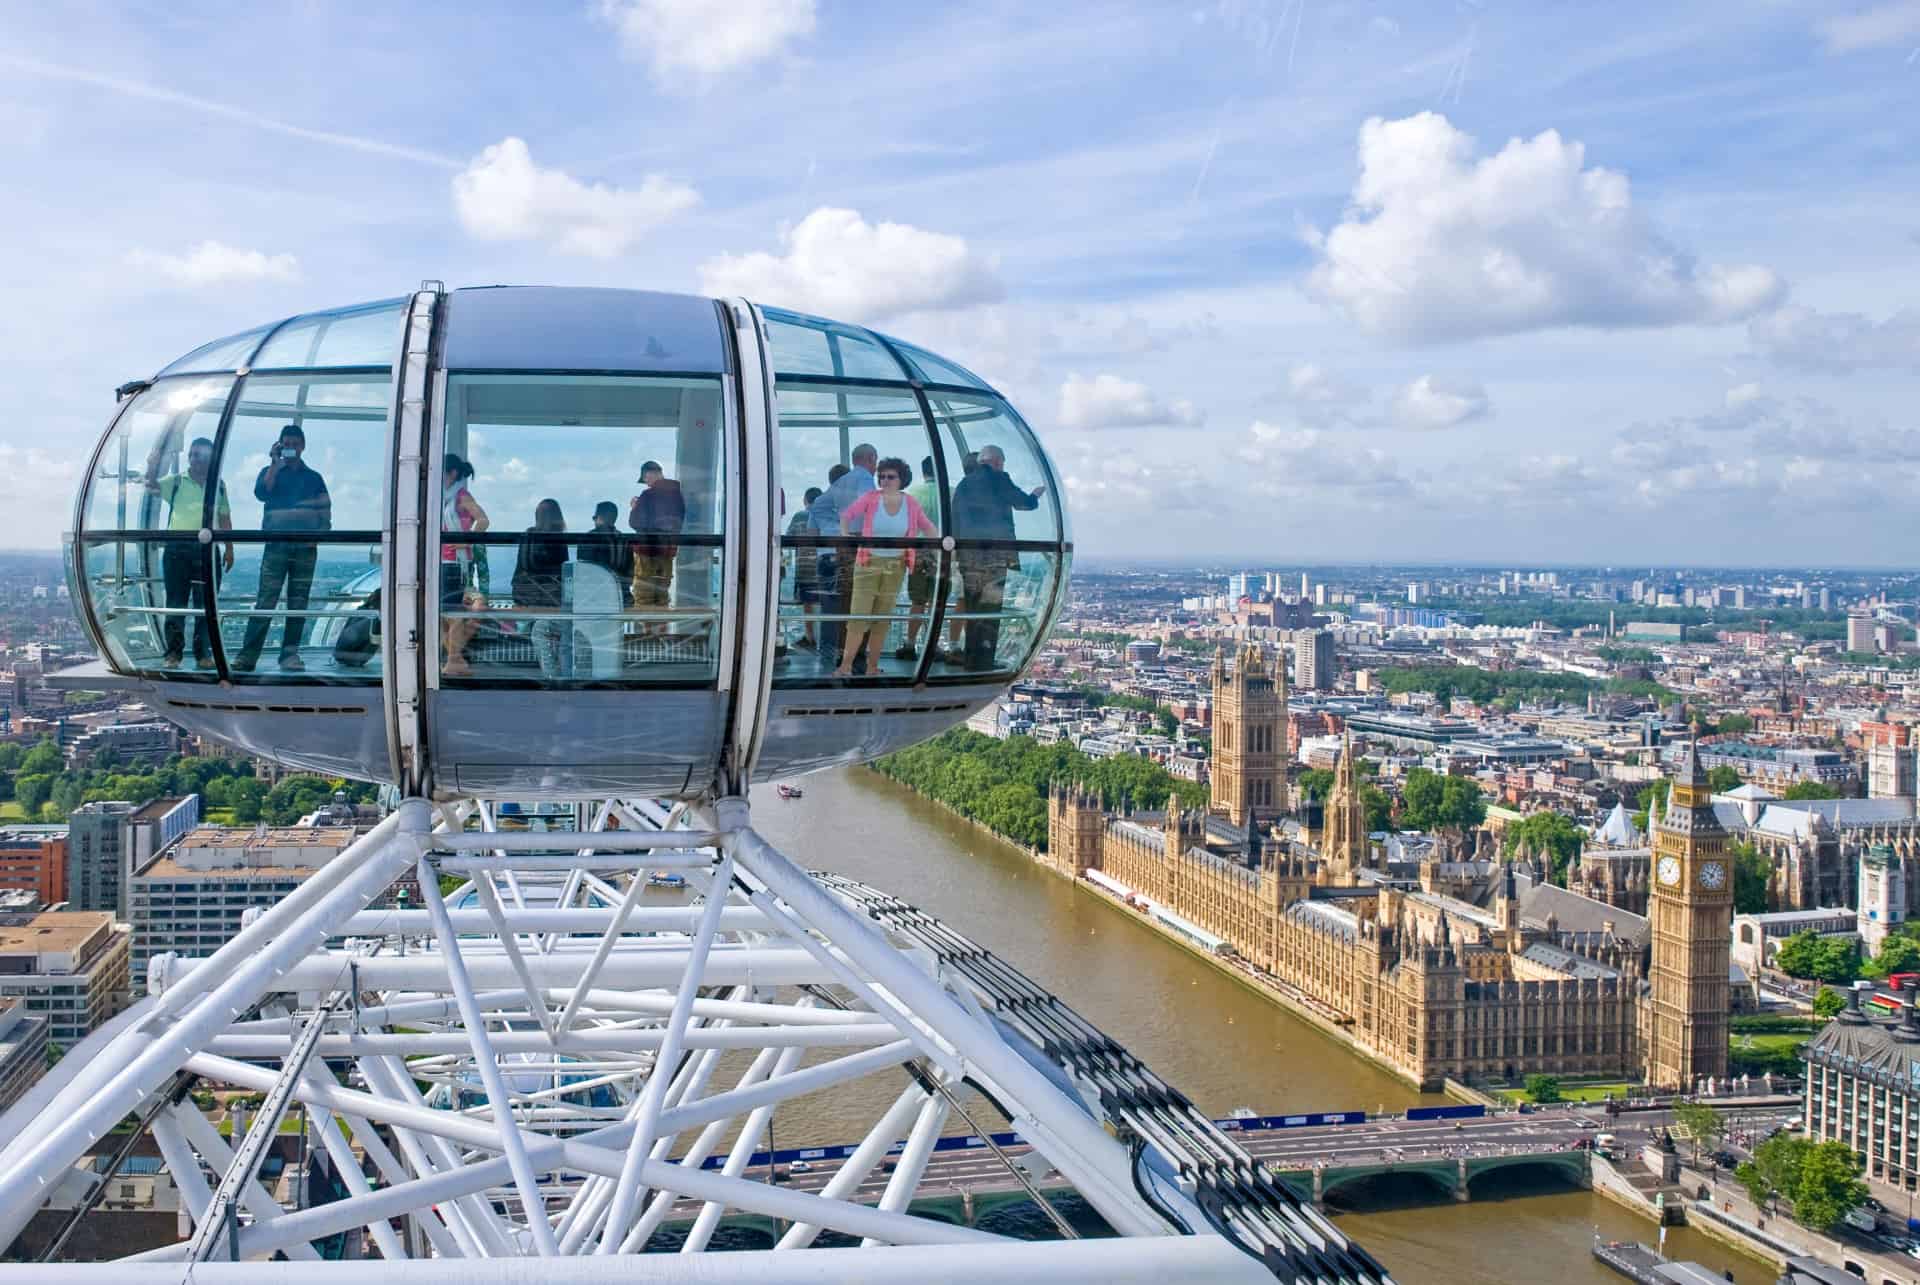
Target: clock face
point(1669, 870)
point(1712, 875)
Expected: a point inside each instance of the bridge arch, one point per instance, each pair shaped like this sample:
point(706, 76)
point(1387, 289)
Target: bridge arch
point(1568, 1166)
point(1395, 1185)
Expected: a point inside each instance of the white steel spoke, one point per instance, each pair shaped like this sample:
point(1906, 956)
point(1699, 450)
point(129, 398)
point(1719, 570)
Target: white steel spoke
point(535, 1069)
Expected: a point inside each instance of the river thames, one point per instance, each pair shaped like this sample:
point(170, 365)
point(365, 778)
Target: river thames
point(1214, 1039)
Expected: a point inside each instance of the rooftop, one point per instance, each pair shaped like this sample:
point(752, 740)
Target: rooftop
point(165, 867)
point(54, 930)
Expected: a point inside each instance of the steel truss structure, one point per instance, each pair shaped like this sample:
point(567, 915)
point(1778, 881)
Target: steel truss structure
point(539, 1063)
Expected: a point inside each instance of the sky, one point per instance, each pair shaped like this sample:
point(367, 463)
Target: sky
point(1290, 282)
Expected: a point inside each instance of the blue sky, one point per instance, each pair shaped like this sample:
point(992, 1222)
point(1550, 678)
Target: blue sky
point(1287, 281)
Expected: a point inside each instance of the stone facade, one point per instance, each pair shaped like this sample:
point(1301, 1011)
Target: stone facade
point(1454, 967)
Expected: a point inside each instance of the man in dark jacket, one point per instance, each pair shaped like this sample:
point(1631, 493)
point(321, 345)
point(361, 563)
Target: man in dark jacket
point(293, 498)
point(604, 546)
point(656, 514)
point(983, 507)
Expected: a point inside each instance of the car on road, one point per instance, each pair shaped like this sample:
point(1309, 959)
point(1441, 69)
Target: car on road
point(1724, 1158)
point(800, 1166)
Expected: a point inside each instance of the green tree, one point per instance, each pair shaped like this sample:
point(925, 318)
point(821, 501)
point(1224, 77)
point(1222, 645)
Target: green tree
point(245, 799)
point(1820, 1180)
point(1552, 832)
point(1315, 784)
point(10, 755)
point(1379, 808)
point(1828, 1002)
point(1829, 1185)
point(1807, 954)
point(1702, 1123)
point(1752, 871)
point(1722, 779)
point(43, 759)
point(1543, 1088)
point(1899, 953)
point(32, 790)
point(1811, 790)
point(1435, 802)
point(1734, 725)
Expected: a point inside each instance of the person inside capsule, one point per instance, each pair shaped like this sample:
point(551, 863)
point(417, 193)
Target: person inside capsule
point(984, 503)
point(293, 498)
point(879, 571)
point(186, 497)
point(459, 571)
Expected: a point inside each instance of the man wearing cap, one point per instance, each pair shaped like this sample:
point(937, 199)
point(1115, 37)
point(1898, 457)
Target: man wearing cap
point(186, 497)
point(656, 514)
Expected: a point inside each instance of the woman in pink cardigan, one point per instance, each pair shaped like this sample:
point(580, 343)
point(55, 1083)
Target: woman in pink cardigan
point(878, 573)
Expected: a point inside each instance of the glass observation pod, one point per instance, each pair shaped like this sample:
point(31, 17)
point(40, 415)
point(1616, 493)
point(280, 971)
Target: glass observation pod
point(531, 540)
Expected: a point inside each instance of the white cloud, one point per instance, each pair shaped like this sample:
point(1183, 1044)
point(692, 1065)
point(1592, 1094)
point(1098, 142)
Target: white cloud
point(682, 39)
point(212, 263)
point(1741, 394)
point(503, 196)
point(1837, 342)
point(1892, 23)
point(1310, 384)
point(1309, 463)
point(1442, 244)
point(1108, 401)
point(1439, 402)
point(837, 264)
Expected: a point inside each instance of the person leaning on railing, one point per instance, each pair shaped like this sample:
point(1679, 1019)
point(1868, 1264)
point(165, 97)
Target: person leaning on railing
point(886, 513)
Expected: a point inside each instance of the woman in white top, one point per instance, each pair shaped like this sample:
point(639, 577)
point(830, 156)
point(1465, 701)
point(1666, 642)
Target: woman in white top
point(886, 513)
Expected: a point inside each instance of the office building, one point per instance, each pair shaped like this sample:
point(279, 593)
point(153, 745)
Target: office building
point(69, 967)
point(1313, 660)
point(34, 858)
point(23, 1049)
point(94, 864)
point(1863, 1089)
point(1859, 631)
point(190, 898)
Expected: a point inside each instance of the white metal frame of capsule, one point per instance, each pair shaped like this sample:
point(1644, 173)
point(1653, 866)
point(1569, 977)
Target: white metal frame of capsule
point(547, 978)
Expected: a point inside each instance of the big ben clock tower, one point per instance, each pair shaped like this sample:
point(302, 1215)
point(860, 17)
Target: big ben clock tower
point(1692, 913)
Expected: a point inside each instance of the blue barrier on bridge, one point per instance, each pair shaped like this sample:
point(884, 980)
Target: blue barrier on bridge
point(1255, 1122)
point(970, 1142)
point(1456, 1112)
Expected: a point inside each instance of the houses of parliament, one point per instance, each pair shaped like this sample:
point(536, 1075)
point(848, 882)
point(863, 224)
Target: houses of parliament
point(1438, 961)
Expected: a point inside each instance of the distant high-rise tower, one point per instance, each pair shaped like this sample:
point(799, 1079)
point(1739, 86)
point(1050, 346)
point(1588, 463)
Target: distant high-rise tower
point(1249, 735)
point(1692, 913)
point(1312, 660)
point(1344, 846)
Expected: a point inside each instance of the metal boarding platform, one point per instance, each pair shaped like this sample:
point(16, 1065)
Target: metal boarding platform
point(1238, 1194)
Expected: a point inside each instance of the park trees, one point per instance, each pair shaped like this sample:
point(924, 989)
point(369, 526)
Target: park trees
point(1810, 956)
point(1553, 833)
point(1435, 802)
point(1820, 1180)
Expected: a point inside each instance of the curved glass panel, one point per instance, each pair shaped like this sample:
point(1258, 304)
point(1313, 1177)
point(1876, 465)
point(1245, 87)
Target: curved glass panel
point(144, 478)
point(596, 500)
point(222, 354)
point(367, 335)
point(931, 369)
point(842, 597)
point(803, 345)
point(335, 427)
point(146, 597)
point(999, 485)
point(998, 608)
point(301, 607)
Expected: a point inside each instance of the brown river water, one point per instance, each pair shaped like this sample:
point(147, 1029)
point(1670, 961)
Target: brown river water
point(1215, 1040)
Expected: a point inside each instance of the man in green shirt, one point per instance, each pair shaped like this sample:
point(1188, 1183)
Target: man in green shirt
point(186, 498)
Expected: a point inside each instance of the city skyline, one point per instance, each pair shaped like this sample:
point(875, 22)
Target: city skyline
point(1333, 281)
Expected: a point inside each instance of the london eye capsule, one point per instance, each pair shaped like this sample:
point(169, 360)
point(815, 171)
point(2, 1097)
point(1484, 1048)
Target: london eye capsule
point(530, 540)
